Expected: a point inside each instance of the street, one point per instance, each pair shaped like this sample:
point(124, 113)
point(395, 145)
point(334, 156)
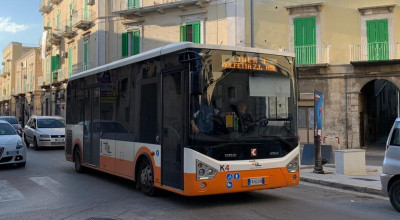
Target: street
point(49, 188)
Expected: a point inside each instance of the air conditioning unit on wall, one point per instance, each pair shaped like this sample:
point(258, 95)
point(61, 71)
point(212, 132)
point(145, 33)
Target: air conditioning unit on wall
point(89, 2)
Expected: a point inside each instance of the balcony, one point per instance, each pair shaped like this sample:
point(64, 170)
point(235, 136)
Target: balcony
point(67, 30)
point(82, 20)
point(312, 55)
point(56, 2)
point(123, 9)
point(80, 67)
point(375, 52)
point(54, 38)
point(45, 6)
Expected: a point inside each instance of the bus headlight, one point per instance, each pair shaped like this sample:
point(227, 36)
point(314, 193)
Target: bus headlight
point(293, 166)
point(204, 171)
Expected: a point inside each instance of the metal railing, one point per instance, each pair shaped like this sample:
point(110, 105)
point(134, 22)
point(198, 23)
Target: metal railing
point(81, 17)
point(374, 52)
point(80, 67)
point(44, 6)
point(308, 55)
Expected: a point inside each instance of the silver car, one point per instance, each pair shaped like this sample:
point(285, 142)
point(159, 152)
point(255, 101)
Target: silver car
point(390, 177)
point(12, 149)
point(45, 131)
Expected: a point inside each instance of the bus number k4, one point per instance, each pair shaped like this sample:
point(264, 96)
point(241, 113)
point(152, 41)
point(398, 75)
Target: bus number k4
point(224, 168)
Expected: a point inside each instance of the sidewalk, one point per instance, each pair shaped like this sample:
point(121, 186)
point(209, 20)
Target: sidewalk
point(369, 183)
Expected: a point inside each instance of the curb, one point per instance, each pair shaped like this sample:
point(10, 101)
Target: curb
point(344, 186)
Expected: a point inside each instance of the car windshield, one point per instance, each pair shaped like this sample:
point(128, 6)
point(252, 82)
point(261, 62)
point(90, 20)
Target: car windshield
point(50, 123)
point(6, 129)
point(10, 120)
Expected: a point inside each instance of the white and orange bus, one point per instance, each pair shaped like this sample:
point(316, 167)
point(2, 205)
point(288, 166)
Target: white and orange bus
point(135, 118)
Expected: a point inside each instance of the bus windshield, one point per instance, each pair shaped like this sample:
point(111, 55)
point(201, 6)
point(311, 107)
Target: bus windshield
point(246, 100)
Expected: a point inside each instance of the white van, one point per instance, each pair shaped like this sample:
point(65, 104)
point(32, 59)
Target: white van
point(390, 177)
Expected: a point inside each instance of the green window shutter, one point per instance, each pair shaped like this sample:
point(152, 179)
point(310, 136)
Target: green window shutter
point(86, 11)
point(182, 33)
point(124, 45)
point(196, 32)
point(133, 4)
point(305, 40)
point(86, 55)
point(58, 21)
point(377, 40)
point(136, 42)
point(71, 7)
point(70, 56)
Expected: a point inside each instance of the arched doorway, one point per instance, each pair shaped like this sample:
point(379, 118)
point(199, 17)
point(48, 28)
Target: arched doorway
point(378, 107)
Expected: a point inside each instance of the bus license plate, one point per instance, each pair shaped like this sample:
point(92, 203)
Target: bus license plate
point(59, 140)
point(255, 181)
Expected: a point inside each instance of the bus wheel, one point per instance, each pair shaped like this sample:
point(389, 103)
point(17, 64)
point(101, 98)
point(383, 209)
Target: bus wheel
point(77, 161)
point(146, 178)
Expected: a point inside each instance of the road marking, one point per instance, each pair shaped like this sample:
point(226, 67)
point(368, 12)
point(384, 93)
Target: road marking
point(8, 192)
point(47, 183)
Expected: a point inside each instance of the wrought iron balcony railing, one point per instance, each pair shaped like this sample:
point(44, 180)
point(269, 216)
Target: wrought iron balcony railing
point(83, 19)
point(44, 6)
point(311, 55)
point(379, 51)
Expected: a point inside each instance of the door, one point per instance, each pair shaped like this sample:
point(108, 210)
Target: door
point(306, 124)
point(172, 129)
point(377, 38)
point(91, 130)
point(305, 40)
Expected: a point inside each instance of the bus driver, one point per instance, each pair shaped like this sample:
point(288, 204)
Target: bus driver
point(202, 119)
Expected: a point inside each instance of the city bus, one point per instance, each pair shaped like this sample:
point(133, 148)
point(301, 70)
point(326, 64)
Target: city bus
point(172, 118)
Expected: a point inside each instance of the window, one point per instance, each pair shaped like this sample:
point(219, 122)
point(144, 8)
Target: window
point(377, 39)
point(86, 54)
point(190, 32)
point(55, 63)
point(86, 14)
point(130, 43)
point(305, 40)
point(133, 4)
point(58, 23)
point(71, 8)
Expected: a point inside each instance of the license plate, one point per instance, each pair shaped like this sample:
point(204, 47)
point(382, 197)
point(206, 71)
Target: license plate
point(57, 143)
point(255, 181)
point(11, 153)
point(59, 139)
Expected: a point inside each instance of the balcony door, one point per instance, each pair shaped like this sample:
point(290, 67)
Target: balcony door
point(305, 40)
point(377, 40)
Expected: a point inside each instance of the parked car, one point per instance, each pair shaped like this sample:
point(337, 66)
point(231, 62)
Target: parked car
point(390, 177)
point(45, 131)
point(13, 121)
point(12, 149)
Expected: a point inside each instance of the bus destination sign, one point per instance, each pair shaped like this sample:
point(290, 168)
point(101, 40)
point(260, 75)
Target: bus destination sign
point(248, 63)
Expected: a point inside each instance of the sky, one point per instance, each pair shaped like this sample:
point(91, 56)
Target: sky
point(20, 21)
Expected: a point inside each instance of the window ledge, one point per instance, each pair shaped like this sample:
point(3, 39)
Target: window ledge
point(292, 9)
point(375, 62)
point(381, 9)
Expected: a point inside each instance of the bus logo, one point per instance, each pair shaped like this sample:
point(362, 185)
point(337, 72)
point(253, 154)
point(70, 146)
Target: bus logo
point(253, 152)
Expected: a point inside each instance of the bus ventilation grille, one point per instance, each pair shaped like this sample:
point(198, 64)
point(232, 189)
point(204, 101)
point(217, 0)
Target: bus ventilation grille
point(68, 142)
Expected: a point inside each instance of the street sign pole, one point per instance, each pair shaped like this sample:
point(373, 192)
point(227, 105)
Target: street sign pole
point(318, 109)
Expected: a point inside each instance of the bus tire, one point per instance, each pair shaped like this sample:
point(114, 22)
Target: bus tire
point(35, 144)
point(146, 178)
point(77, 161)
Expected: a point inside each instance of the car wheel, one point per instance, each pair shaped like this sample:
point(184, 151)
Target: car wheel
point(77, 161)
point(26, 141)
point(21, 164)
point(146, 178)
point(35, 144)
point(394, 195)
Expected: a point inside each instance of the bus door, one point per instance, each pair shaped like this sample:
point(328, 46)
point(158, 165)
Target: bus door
point(92, 129)
point(172, 128)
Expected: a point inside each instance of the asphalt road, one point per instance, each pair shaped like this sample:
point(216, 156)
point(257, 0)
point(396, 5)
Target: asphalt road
point(49, 188)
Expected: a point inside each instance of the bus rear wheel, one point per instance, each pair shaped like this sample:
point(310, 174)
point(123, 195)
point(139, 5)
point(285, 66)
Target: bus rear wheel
point(77, 162)
point(146, 178)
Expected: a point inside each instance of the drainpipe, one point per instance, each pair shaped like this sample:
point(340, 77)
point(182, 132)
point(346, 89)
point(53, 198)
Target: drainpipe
point(252, 23)
point(345, 107)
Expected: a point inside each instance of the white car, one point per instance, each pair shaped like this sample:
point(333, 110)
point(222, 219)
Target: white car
point(45, 131)
point(12, 149)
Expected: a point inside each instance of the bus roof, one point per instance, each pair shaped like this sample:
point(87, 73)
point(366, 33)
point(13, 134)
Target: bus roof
point(170, 48)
